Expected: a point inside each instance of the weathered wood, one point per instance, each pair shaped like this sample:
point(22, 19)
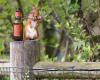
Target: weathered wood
point(47, 69)
point(23, 55)
point(75, 70)
point(4, 68)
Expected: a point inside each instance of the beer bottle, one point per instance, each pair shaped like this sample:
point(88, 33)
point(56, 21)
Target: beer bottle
point(18, 26)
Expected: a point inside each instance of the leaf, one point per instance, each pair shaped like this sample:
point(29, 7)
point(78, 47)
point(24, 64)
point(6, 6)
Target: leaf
point(57, 25)
point(73, 8)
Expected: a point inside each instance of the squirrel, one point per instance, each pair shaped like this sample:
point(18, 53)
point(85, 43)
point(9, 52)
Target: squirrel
point(32, 23)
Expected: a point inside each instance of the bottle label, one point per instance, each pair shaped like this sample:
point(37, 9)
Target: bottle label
point(18, 30)
point(18, 14)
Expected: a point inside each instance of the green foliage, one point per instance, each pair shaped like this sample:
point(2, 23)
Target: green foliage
point(5, 77)
point(73, 8)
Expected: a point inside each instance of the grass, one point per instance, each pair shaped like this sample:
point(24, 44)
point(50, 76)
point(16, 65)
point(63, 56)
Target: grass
point(4, 57)
point(4, 77)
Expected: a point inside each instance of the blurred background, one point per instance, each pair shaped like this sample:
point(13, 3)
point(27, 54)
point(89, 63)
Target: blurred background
point(69, 30)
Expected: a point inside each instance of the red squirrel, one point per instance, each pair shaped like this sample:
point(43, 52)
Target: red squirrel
point(32, 23)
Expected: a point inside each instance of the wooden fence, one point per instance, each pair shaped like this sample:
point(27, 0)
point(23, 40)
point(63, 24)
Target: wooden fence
point(25, 61)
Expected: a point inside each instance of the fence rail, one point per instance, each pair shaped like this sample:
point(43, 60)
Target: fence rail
point(52, 73)
point(47, 71)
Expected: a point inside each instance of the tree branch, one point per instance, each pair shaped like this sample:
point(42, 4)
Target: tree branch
point(64, 34)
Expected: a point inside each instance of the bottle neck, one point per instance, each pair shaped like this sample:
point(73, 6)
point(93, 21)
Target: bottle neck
point(17, 20)
point(18, 13)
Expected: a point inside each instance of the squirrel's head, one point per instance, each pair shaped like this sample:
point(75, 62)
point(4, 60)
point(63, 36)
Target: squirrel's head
point(35, 12)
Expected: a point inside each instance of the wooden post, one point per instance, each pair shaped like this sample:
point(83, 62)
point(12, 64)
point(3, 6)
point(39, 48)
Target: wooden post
point(23, 55)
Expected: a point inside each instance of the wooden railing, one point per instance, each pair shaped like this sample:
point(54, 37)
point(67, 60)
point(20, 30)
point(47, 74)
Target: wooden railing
point(25, 56)
point(59, 70)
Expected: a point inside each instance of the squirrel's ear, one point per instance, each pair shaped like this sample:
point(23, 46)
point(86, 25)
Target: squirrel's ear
point(35, 11)
point(33, 7)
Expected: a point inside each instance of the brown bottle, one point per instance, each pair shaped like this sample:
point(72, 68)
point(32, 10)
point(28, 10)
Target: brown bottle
point(18, 29)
